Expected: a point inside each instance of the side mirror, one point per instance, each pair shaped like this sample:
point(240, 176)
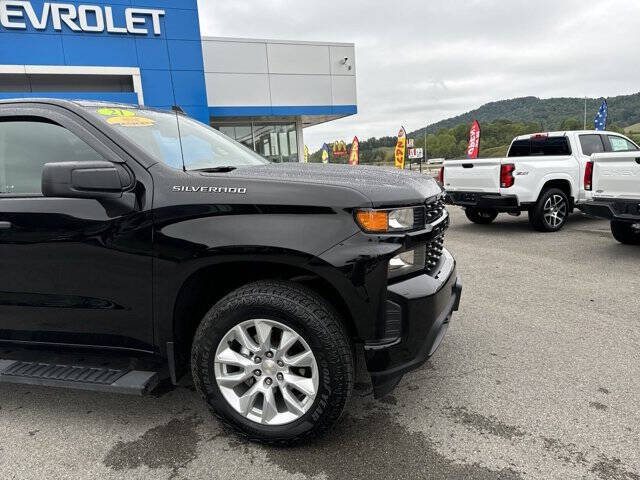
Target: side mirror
point(91, 179)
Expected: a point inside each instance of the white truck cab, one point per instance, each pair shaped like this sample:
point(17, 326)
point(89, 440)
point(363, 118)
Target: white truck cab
point(546, 174)
point(616, 193)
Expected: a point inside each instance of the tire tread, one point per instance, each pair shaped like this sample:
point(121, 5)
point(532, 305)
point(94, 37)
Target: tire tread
point(623, 233)
point(473, 214)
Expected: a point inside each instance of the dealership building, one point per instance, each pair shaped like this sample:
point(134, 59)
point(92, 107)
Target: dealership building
point(150, 52)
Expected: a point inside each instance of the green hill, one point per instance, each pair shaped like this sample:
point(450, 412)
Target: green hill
point(548, 113)
point(635, 128)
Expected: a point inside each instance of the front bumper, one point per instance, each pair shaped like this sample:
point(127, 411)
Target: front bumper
point(493, 201)
point(426, 304)
point(614, 209)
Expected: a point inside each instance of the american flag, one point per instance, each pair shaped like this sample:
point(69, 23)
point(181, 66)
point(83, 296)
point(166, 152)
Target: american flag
point(601, 118)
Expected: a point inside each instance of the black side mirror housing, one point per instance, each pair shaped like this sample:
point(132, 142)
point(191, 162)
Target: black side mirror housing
point(91, 179)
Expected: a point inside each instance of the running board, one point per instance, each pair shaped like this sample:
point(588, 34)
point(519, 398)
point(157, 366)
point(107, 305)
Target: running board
point(99, 379)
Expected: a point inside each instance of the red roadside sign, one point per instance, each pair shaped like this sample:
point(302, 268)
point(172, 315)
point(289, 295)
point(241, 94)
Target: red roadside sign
point(473, 150)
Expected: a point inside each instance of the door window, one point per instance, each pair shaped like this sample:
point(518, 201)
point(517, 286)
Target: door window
point(620, 144)
point(26, 145)
point(591, 144)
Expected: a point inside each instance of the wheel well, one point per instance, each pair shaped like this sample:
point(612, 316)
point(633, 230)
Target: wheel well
point(560, 184)
point(206, 287)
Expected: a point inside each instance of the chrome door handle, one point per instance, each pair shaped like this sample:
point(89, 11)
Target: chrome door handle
point(5, 225)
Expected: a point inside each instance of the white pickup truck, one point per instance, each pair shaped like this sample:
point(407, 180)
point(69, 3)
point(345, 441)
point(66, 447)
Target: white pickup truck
point(616, 193)
point(544, 174)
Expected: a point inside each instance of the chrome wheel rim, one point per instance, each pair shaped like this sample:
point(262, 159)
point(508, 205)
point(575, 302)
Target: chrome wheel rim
point(555, 210)
point(266, 372)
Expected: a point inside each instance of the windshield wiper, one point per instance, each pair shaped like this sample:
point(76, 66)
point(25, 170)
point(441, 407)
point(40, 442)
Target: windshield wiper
point(225, 168)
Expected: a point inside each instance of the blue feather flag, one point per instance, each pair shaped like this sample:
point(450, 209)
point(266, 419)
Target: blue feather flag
point(601, 118)
point(325, 153)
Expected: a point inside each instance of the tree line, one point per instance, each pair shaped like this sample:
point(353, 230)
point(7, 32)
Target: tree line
point(549, 113)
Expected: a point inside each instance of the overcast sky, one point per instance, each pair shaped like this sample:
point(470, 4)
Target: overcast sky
point(433, 59)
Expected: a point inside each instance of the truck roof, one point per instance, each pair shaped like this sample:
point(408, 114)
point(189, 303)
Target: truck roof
point(74, 104)
point(52, 101)
point(563, 133)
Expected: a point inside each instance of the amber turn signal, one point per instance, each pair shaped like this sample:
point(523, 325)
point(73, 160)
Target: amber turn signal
point(373, 220)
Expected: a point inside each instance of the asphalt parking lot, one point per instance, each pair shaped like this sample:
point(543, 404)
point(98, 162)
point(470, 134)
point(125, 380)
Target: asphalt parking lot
point(538, 378)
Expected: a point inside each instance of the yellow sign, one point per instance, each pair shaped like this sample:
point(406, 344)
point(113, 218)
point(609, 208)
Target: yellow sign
point(130, 121)
point(125, 118)
point(306, 154)
point(354, 155)
point(401, 148)
point(116, 112)
point(339, 149)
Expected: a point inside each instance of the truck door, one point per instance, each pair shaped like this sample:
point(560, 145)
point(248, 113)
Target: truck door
point(73, 271)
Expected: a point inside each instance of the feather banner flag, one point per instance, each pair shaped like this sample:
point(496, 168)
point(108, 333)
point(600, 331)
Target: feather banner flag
point(401, 147)
point(601, 118)
point(325, 153)
point(473, 149)
point(306, 154)
point(354, 154)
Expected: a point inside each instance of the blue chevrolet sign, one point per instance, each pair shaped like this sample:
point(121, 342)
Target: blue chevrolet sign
point(158, 38)
point(14, 14)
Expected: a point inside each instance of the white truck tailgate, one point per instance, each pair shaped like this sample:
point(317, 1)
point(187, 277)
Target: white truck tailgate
point(616, 175)
point(473, 175)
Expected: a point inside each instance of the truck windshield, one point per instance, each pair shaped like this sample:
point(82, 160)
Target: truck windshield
point(178, 141)
point(540, 146)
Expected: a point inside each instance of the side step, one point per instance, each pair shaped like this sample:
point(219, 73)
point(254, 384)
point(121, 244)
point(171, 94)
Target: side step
point(100, 379)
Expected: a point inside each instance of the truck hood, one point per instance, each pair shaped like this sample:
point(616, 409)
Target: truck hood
point(382, 186)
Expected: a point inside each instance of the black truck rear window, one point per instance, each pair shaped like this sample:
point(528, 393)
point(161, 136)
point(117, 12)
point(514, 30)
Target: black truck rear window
point(540, 147)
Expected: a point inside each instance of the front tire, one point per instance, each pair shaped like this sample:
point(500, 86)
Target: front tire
point(624, 232)
point(274, 362)
point(482, 216)
point(551, 211)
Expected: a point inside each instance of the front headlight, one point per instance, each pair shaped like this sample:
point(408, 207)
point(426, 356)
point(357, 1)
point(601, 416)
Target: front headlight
point(382, 221)
point(408, 262)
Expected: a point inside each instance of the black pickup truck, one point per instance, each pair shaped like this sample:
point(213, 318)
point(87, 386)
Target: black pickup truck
point(139, 246)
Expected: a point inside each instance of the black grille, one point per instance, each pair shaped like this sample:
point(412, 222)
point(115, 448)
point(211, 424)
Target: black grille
point(434, 210)
point(434, 251)
point(393, 321)
point(418, 218)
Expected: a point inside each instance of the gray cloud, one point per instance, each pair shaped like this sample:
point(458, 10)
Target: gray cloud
point(421, 61)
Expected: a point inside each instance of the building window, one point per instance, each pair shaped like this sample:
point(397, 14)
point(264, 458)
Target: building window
point(240, 133)
point(277, 142)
